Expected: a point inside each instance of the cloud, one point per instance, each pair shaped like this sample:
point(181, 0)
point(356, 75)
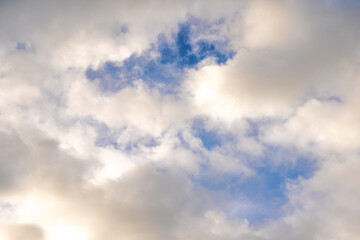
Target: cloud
point(323, 206)
point(179, 120)
point(17, 232)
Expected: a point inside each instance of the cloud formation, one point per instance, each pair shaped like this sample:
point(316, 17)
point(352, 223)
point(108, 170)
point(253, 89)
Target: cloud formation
point(179, 120)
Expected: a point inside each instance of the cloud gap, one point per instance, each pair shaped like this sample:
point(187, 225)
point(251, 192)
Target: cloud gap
point(265, 190)
point(164, 64)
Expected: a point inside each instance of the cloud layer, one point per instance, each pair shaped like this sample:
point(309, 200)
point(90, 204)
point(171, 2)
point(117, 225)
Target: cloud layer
point(179, 120)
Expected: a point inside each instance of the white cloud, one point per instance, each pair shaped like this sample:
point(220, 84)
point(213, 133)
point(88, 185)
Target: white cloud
point(80, 163)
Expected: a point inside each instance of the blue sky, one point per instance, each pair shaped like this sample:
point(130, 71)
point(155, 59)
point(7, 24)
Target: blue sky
point(172, 58)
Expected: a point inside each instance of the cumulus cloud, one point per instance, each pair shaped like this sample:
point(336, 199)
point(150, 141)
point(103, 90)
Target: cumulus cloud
point(241, 121)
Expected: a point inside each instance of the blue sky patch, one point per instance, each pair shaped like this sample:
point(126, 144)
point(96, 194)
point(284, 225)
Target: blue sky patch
point(210, 138)
point(163, 65)
point(265, 190)
point(21, 46)
point(186, 53)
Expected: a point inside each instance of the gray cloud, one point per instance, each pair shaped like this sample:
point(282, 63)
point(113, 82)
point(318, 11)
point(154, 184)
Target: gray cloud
point(18, 232)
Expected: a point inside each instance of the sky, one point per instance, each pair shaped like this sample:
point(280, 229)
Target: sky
point(182, 120)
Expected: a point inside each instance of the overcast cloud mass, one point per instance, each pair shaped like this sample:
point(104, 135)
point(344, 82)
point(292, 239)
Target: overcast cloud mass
point(183, 120)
